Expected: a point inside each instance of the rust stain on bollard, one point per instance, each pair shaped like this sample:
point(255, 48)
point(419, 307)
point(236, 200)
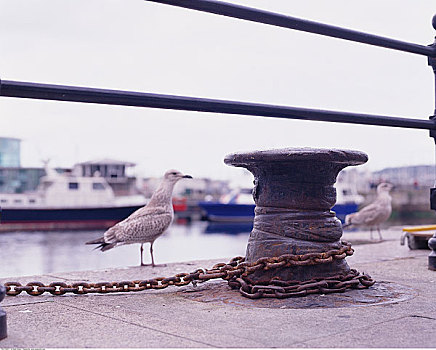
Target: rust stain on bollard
point(294, 194)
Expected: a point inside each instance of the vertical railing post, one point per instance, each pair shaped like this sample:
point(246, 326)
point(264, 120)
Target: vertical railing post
point(3, 326)
point(432, 241)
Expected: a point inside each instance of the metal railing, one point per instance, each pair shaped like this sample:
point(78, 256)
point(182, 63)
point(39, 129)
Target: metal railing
point(128, 98)
point(140, 99)
point(149, 100)
point(279, 20)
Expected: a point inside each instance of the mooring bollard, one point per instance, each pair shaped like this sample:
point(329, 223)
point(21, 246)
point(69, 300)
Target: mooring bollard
point(432, 256)
point(3, 326)
point(293, 192)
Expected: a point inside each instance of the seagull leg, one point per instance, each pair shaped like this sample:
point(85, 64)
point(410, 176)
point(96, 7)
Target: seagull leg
point(152, 258)
point(379, 233)
point(141, 249)
point(151, 253)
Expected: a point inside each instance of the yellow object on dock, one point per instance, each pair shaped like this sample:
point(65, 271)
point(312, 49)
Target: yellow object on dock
point(419, 228)
point(417, 236)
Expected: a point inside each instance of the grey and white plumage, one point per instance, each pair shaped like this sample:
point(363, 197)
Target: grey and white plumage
point(375, 213)
point(147, 223)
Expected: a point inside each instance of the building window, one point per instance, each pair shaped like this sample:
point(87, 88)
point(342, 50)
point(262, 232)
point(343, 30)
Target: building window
point(73, 185)
point(97, 186)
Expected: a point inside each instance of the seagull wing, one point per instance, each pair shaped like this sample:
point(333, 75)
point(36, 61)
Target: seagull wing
point(144, 225)
point(367, 214)
point(145, 211)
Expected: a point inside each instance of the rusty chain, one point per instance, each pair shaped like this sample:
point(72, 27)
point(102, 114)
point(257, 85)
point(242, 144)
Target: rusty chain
point(235, 272)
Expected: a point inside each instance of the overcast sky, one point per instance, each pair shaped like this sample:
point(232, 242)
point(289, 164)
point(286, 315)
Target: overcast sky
point(142, 46)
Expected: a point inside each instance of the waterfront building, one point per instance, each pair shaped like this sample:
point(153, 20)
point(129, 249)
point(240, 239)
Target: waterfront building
point(196, 189)
point(14, 178)
point(416, 176)
point(19, 180)
point(10, 152)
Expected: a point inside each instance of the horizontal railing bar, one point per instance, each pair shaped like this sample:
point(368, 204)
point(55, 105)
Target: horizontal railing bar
point(139, 99)
point(279, 20)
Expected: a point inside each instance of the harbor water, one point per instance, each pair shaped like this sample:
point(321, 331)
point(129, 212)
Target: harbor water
point(36, 253)
point(49, 252)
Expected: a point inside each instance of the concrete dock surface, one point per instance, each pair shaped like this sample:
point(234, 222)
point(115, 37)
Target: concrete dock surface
point(400, 311)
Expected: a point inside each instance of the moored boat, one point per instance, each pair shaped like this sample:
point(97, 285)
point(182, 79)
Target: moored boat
point(66, 201)
point(239, 205)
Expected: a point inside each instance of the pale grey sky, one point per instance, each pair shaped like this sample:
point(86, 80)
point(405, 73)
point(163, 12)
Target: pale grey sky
point(142, 46)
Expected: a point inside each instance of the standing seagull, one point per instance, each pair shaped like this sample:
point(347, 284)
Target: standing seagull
point(147, 223)
point(375, 213)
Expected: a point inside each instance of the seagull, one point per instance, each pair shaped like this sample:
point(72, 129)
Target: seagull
point(375, 213)
point(147, 223)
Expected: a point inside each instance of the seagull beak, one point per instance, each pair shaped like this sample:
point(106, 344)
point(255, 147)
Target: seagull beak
point(187, 176)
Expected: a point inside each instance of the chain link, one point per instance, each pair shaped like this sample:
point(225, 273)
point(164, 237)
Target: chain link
point(235, 272)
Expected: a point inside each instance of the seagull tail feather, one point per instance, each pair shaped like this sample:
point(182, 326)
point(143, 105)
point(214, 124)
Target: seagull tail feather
point(103, 246)
point(96, 241)
point(106, 246)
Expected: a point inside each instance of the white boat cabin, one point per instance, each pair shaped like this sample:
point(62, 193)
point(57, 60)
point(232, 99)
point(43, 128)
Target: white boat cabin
point(69, 191)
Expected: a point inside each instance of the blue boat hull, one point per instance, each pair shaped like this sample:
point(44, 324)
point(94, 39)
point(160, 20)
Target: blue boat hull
point(342, 210)
point(216, 211)
point(232, 212)
point(65, 218)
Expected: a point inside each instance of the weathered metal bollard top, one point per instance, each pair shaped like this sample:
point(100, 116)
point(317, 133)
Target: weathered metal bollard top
point(294, 194)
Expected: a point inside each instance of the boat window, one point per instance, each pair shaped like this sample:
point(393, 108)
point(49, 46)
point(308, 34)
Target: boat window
point(73, 185)
point(18, 201)
point(97, 186)
point(32, 200)
point(4, 201)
